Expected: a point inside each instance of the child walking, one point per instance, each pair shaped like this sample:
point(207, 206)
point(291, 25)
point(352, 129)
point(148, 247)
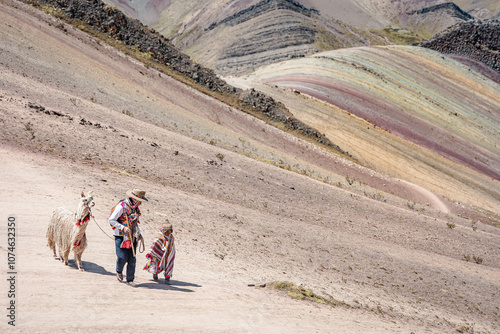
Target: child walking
point(161, 255)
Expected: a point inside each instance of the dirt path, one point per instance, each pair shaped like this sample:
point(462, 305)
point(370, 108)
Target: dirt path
point(433, 200)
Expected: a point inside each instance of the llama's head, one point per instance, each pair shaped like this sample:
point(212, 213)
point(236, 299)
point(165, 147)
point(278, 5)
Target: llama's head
point(84, 206)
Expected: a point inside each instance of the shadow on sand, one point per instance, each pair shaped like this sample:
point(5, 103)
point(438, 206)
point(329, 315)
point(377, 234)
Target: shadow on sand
point(95, 268)
point(176, 285)
point(89, 267)
point(181, 286)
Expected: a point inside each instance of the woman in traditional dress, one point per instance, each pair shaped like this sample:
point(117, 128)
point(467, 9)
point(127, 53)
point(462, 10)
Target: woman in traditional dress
point(161, 255)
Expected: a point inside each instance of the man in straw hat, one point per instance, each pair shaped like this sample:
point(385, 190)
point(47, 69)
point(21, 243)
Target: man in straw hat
point(124, 220)
point(161, 255)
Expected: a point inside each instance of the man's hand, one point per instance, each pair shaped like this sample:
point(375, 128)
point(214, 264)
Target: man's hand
point(126, 230)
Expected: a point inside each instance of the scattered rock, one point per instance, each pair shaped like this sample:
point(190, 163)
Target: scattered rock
point(477, 40)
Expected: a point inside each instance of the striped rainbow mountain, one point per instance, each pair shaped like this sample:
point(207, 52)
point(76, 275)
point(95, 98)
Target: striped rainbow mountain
point(408, 111)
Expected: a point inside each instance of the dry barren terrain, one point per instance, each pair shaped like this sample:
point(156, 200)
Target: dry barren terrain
point(250, 205)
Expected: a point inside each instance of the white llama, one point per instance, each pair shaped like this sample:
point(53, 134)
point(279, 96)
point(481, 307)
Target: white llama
point(67, 230)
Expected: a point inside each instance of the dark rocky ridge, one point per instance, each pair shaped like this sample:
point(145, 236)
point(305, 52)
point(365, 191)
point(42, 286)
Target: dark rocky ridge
point(278, 112)
point(453, 9)
point(133, 33)
point(477, 40)
point(262, 7)
point(299, 35)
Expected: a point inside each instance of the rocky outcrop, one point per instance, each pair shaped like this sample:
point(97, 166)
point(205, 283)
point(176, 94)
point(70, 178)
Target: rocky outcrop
point(450, 7)
point(278, 112)
point(261, 8)
point(257, 45)
point(477, 40)
point(134, 34)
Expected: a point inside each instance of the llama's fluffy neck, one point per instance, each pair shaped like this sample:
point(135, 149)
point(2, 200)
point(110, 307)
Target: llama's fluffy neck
point(80, 230)
point(82, 220)
point(82, 212)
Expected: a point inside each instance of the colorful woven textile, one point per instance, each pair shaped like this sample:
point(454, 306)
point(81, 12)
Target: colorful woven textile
point(161, 255)
point(78, 223)
point(130, 219)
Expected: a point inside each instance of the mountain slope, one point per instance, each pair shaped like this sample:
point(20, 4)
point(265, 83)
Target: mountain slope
point(412, 93)
point(250, 204)
point(237, 36)
point(481, 9)
point(233, 37)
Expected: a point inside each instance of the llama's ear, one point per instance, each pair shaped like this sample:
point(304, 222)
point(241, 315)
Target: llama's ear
point(83, 195)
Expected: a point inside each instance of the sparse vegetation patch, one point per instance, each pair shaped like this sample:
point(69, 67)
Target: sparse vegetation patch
point(398, 36)
point(299, 292)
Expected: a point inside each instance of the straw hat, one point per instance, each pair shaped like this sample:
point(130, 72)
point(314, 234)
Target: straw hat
point(137, 194)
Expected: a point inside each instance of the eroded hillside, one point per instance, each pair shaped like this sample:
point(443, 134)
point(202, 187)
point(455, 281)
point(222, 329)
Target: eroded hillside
point(251, 204)
point(414, 94)
point(237, 36)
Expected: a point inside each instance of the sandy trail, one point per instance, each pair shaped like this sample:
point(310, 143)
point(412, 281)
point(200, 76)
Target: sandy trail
point(433, 200)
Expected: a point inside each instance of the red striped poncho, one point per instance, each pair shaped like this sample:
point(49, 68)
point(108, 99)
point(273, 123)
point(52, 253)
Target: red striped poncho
point(161, 255)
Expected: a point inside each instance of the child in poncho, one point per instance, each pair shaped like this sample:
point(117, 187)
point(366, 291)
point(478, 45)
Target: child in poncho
point(161, 255)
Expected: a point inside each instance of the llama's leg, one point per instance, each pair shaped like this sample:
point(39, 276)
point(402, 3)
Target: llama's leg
point(61, 254)
point(66, 256)
point(78, 260)
point(53, 247)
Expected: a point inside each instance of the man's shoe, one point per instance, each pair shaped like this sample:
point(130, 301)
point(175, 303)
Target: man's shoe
point(132, 284)
point(167, 281)
point(155, 277)
point(119, 276)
